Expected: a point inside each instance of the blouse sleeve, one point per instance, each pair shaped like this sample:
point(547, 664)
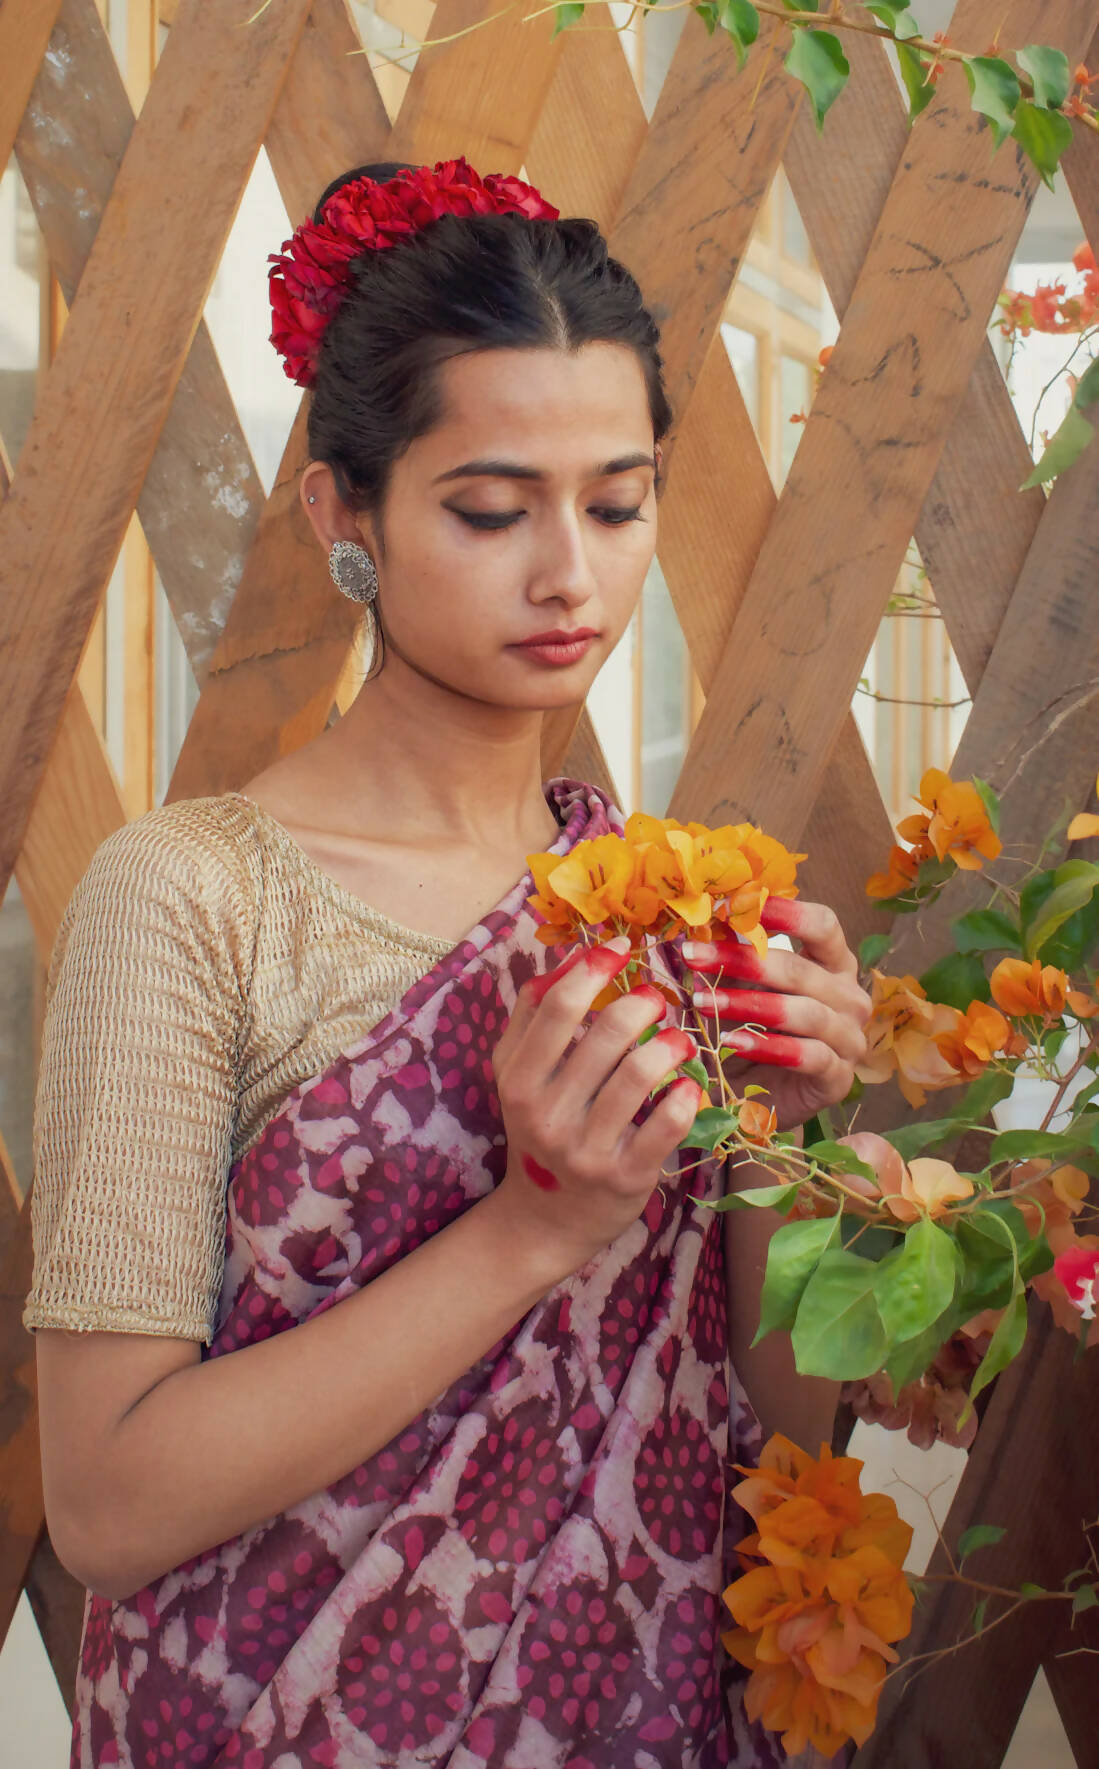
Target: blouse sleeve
point(146, 993)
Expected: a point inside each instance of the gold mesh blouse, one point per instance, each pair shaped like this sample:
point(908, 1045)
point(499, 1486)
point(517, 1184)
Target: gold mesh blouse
point(203, 968)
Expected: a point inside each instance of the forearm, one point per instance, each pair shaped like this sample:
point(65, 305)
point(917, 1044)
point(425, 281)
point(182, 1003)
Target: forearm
point(801, 1407)
point(220, 1446)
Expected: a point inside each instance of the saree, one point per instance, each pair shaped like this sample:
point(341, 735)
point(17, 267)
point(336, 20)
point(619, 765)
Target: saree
point(530, 1574)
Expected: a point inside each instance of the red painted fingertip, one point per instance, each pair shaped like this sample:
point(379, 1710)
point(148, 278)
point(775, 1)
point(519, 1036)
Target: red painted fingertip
point(782, 915)
point(688, 1081)
point(540, 985)
point(540, 1176)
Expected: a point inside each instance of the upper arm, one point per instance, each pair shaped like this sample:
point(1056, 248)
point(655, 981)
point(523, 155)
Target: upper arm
point(134, 1110)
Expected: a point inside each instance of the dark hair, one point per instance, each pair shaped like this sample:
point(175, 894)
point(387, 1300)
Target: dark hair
point(467, 283)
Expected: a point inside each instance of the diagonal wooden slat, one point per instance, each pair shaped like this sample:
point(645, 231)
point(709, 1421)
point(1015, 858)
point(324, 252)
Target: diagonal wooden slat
point(25, 27)
point(201, 497)
point(914, 326)
point(152, 260)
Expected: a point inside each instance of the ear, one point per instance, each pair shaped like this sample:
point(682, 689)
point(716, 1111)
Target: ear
point(329, 517)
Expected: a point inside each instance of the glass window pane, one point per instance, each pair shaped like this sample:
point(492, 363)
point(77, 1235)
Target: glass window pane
point(22, 269)
point(743, 349)
point(663, 694)
point(795, 240)
point(795, 394)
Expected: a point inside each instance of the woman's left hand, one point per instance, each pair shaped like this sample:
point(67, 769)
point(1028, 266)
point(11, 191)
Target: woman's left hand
point(810, 1003)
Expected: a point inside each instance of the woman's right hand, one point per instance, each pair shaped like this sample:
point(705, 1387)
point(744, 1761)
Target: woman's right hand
point(579, 1171)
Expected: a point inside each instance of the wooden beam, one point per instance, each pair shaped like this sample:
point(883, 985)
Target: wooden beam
point(108, 391)
point(25, 27)
point(1031, 1471)
point(914, 327)
point(330, 101)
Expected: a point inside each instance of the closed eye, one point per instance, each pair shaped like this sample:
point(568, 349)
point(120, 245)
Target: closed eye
point(612, 515)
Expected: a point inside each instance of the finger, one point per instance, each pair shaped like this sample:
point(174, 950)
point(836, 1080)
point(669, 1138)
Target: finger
point(800, 1015)
point(603, 1045)
point(555, 1018)
point(625, 1091)
point(732, 962)
point(645, 1147)
point(809, 1055)
point(818, 928)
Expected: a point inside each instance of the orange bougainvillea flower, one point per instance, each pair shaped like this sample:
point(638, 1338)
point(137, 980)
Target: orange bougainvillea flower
point(1087, 823)
point(959, 825)
point(1024, 988)
point(758, 1123)
point(975, 1037)
point(898, 875)
point(901, 1034)
point(817, 1623)
point(928, 1187)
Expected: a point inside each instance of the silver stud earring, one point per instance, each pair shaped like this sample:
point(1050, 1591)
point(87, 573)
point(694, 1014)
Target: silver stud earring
point(353, 571)
point(311, 499)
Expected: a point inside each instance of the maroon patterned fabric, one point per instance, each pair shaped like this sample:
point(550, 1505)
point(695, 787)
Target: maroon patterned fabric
point(529, 1575)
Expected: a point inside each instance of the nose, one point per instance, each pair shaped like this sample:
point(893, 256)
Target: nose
point(563, 568)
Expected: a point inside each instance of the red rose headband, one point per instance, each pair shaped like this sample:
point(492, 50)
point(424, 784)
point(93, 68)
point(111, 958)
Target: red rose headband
point(310, 275)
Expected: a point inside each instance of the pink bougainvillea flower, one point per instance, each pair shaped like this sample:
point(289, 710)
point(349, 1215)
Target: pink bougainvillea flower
point(1078, 1269)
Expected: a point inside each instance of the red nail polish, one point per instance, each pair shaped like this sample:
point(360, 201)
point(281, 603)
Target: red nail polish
point(540, 1176)
point(782, 914)
point(675, 1038)
point(688, 1081)
point(648, 989)
point(600, 959)
point(539, 985)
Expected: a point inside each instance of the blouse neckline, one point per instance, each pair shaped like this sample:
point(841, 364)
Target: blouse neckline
point(339, 893)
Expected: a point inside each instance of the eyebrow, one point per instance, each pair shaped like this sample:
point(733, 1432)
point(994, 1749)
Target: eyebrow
point(512, 469)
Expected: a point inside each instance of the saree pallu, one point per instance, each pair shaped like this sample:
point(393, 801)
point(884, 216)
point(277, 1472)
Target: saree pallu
point(529, 1575)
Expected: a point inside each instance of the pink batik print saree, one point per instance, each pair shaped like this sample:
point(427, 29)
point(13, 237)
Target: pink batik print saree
point(529, 1576)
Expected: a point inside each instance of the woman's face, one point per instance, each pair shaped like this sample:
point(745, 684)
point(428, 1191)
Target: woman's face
point(529, 508)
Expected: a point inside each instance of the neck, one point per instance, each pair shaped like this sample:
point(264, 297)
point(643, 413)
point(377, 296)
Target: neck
point(435, 766)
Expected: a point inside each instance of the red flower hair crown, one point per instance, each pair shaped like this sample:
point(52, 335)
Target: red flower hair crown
point(310, 275)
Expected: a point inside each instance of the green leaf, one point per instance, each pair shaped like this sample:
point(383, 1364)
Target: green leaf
point(766, 1197)
point(1076, 940)
point(990, 801)
point(914, 1356)
point(649, 1032)
point(710, 1127)
point(792, 1254)
point(874, 1241)
point(980, 1609)
point(985, 930)
point(914, 74)
point(895, 16)
point(1085, 1597)
point(567, 14)
point(1043, 136)
point(838, 1331)
point(1028, 1589)
point(981, 1095)
point(741, 20)
point(872, 948)
point(989, 1243)
point(911, 1140)
point(1074, 885)
point(1006, 1343)
point(707, 12)
point(978, 1535)
point(835, 1154)
point(956, 980)
point(994, 92)
point(696, 1069)
point(1049, 70)
point(1065, 446)
point(1024, 1145)
point(816, 58)
point(915, 1284)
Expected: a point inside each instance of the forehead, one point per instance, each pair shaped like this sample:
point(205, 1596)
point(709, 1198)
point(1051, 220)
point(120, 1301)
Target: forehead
point(544, 399)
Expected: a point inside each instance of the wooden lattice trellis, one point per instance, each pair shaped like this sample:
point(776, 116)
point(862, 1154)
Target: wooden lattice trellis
point(912, 433)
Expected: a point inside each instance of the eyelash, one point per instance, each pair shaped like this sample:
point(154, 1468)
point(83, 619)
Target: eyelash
point(496, 522)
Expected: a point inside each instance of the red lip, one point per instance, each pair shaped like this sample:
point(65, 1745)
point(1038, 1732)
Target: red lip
point(561, 637)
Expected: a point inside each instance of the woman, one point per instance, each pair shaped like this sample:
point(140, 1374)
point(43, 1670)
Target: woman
point(303, 1068)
